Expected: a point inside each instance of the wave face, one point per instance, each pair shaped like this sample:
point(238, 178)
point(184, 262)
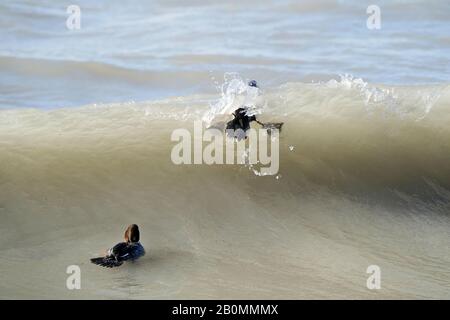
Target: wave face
point(364, 180)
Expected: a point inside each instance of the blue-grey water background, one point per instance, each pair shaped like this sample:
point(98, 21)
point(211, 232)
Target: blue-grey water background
point(140, 50)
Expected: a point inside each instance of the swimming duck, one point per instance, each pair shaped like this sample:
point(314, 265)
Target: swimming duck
point(131, 249)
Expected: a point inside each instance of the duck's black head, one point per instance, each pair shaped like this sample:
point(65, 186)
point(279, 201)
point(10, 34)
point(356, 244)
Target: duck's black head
point(253, 83)
point(132, 233)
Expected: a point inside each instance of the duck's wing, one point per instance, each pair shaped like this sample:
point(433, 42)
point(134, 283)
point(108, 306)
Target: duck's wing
point(107, 262)
point(131, 252)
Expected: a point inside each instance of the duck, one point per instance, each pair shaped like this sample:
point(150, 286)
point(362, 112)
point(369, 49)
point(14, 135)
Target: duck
point(129, 250)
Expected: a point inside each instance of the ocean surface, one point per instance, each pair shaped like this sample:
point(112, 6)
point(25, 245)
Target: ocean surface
point(144, 50)
point(86, 117)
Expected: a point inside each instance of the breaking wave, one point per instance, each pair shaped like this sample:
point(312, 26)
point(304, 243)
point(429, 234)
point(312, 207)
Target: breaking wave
point(362, 166)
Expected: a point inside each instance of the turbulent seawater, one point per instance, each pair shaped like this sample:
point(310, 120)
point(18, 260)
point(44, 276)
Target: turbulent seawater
point(367, 182)
point(86, 119)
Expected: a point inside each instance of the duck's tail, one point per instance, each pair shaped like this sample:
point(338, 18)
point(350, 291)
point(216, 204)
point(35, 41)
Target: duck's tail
point(107, 262)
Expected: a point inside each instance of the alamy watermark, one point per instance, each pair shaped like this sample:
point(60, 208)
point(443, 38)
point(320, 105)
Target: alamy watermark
point(73, 22)
point(73, 281)
point(255, 147)
point(374, 20)
point(374, 280)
